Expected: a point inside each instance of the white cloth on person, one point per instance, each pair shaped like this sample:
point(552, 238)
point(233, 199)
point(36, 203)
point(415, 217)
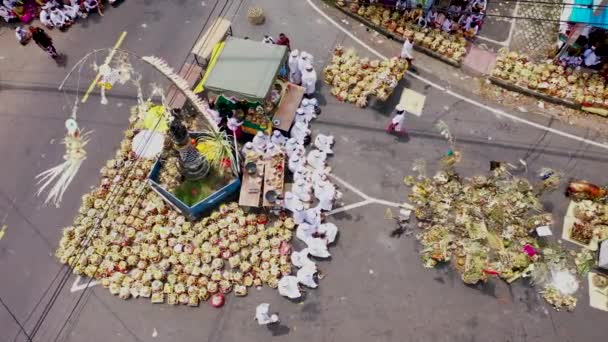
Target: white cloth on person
point(58, 18)
point(306, 275)
point(295, 162)
point(318, 248)
point(291, 202)
point(300, 259)
point(295, 75)
point(288, 287)
point(45, 18)
point(305, 59)
point(301, 116)
point(316, 159)
point(329, 231)
point(263, 316)
point(324, 143)
point(407, 50)
point(6, 14)
point(233, 124)
point(309, 79)
point(399, 121)
point(259, 141)
point(278, 138)
point(302, 189)
point(300, 132)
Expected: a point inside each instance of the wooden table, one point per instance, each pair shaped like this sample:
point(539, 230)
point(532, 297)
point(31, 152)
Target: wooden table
point(269, 174)
point(286, 111)
point(214, 34)
point(251, 187)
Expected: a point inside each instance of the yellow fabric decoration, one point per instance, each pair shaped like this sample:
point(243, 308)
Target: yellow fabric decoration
point(152, 116)
point(214, 55)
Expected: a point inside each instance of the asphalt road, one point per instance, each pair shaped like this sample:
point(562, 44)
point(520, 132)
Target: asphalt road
point(375, 288)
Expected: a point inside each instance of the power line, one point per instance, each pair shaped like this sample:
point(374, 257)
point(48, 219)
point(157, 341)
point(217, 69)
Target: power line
point(29, 338)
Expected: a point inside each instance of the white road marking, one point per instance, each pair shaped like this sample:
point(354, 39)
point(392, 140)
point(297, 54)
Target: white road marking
point(457, 95)
point(79, 287)
point(349, 186)
point(350, 206)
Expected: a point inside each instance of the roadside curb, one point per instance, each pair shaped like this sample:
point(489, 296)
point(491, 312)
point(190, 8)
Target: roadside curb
point(538, 95)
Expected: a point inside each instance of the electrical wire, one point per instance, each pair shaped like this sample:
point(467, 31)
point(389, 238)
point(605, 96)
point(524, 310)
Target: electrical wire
point(29, 338)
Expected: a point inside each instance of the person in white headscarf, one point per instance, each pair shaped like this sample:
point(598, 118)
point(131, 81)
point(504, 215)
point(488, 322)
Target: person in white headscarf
point(316, 159)
point(90, 5)
point(7, 14)
point(397, 123)
point(311, 107)
point(248, 149)
point(259, 141)
point(23, 36)
point(291, 202)
point(45, 18)
point(268, 40)
point(305, 59)
point(324, 143)
point(213, 113)
point(302, 173)
point(296, 162)
point(295, 75)
point(301, 133)
point(263, 316)
point(272, 149)
point(278, 138)
point(325, 193)
point(302, 189)
point(290, 146)
point(301, 116)
point(309, 80)
point(59, 19)
point(72, 10)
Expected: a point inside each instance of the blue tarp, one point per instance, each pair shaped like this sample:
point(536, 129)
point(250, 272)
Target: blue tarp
point(584, 14)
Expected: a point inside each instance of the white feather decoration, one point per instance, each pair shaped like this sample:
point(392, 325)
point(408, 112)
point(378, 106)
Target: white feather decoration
point(63, 174)
point(166, 70)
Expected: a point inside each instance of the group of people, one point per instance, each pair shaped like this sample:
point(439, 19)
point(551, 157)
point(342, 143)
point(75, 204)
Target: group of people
point(302, 71)
point(52, 13)
point(39, 36)
point(462, 16)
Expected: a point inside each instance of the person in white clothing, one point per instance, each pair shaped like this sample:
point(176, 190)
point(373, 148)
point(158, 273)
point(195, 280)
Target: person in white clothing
point(590, 58)
point(72, 11)
point(278, 139)
point(90, 5)
point(259, 141)
point(302, 189)
point(59, 19)
point(291, 202)
point(301, 133)
point(248, 149)
point(325, 193)
point(447, 25)
point(301, 116)
point(324, 143)
point(295, 75)
point(304, 60)
point(302, 173)
point(295, 163)
point(262, 315)
point(311, 107)
point(316, 159)
point(6, 14)
point(290, 146)
point(45, 18)
point(309, 80)
point(397, 122)
point(268, 40)
point(23, 36)
point(272, 149)
point(407, 50)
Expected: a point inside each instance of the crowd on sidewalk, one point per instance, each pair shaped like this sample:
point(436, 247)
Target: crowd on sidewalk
point(52, 13)
point(460, 17)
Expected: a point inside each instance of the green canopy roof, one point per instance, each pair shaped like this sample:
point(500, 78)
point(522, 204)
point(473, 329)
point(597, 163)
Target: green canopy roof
point(246, 68)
